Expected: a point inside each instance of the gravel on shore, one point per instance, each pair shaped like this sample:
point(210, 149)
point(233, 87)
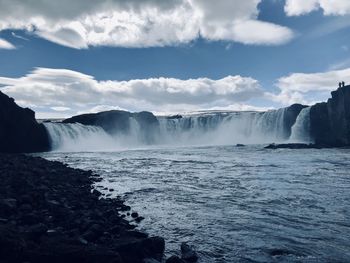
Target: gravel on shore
point(50, 213)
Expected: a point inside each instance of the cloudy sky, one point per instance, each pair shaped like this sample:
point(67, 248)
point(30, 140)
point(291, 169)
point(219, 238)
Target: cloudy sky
point(66, 57)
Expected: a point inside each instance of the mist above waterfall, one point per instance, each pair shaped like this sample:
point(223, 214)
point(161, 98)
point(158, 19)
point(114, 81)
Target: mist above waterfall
point(211, 128)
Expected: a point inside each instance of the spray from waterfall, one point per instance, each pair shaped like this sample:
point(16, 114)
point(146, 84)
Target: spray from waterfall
point(223, 128)
point(78, 137)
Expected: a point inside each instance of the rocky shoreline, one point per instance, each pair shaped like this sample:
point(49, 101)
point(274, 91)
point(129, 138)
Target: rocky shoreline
point(50, 213)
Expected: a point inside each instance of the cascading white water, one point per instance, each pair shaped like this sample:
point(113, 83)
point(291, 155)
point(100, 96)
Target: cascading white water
point(77, 137)
point(270, 125)
point(197, 129)
point(225, 128)
point(301, 128)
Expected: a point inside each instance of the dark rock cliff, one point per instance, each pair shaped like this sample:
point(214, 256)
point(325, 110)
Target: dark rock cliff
point(290, 115)
point(19, 130)
point(120, 122)
point(330, 121)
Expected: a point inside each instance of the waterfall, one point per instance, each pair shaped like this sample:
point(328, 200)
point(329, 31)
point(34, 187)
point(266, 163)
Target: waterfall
point(135, 130)
point(188, 129)
point(225, 128)
point(270, 125)
point(207, 128)
point(77, 137)
point(301, 128)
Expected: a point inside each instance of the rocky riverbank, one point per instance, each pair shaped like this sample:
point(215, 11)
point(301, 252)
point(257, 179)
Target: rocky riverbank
point(50, 213)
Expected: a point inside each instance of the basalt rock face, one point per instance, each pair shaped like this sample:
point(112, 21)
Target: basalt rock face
point(330, 122)
point(339, 115)
point(111, 121)
point(320, 129)
point(121, 122)
point(19, 130)
point(290, 115)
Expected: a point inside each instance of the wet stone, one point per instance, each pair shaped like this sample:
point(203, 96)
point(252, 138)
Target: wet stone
point(53, 215)
point(188, 254)
point(174, 259)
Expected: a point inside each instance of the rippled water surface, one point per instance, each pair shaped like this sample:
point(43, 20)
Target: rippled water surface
point(234, 204)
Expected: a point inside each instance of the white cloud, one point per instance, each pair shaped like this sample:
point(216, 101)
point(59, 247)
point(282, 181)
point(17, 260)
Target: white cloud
point(329, 7)
point(141, 23)
point(100, 108)
point(5, 44)
point(65, 37)
point(309, 88)
point(340, 65)
point(264, 33)
point(61, 89)
point(60, 108)
point(19, 36)
point(63, 93)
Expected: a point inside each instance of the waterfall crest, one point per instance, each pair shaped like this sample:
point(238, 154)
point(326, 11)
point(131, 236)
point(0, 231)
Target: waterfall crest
point(209, 128)
point(77, 137)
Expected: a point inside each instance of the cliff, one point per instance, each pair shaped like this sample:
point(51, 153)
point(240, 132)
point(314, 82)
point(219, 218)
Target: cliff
point(19, 131)
point(121, 122)
point(330, 121)
point(290, 115)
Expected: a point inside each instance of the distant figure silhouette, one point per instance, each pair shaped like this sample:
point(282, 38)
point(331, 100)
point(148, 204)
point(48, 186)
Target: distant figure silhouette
point(343, 84)
point(339, 84)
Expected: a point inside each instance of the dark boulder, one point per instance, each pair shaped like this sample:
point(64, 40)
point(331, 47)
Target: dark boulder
point(7, 206)
point(294, 146)
point(36, 231)
point(19, 130)
point(134, 214)
point(174, 259)
point(188, 254)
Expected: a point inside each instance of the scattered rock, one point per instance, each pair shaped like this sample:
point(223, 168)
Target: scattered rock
point(294, 146)
point(150, 260)
point(7, 206)
point(174, 259)
point(134, 214)
point(48, 213)
point(188, 254)
point(35, 232)
point(139, 219)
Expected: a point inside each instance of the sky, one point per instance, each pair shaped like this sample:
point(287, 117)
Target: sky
point(63, 58)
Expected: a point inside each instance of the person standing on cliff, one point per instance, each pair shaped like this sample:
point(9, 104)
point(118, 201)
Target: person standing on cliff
point(343, 84)
point(339, 84)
